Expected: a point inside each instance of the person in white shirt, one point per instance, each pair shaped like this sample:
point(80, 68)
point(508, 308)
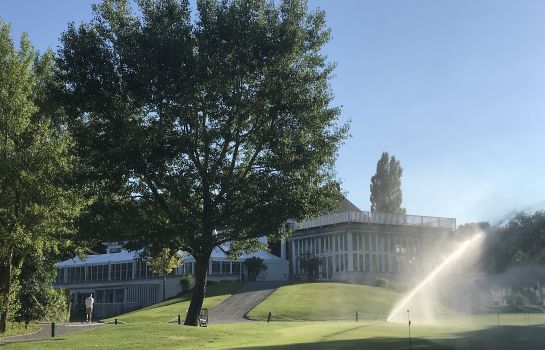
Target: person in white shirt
point(89, 308)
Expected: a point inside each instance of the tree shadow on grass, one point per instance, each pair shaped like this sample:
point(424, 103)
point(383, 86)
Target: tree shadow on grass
point(492, 338)
point(378, 343)
point(499, 338)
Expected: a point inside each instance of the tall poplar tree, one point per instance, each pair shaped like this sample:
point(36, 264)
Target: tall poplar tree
point(37, 202)
point(203, 129)
point(386, 195)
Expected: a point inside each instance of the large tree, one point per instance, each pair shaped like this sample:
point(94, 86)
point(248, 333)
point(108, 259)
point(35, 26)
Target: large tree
point(386, 195)
point(202, 129)
point(37, 202)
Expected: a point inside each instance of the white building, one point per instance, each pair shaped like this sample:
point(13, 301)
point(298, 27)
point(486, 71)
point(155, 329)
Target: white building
point(120, 281)
point(359, 246)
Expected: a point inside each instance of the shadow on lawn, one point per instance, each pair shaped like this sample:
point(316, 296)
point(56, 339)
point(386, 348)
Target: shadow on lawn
point(499, 338)
point(492, 338)
point(368, 343)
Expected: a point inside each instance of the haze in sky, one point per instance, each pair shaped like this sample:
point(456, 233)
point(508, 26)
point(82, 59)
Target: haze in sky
point(455, 89)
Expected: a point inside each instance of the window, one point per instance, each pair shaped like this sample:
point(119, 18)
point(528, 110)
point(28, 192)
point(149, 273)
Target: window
point(60, 275)
point(225, 267)
point(323, 240)
point(236, 267)
point(336, 263)
point(119, 295)
point(215, 267)
point(76, 274)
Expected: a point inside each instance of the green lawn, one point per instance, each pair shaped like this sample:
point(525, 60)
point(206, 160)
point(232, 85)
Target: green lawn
point(325, 302)
point(170, 309)
point(19, 328)
point(476, 332)
point(147, 328)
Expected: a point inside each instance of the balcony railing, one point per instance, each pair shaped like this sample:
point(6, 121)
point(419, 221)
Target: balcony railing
point(377, 218)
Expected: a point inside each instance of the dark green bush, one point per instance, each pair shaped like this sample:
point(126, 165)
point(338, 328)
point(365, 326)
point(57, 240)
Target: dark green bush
point(186, 282)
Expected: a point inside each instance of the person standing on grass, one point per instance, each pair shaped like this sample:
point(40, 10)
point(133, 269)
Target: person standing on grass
point(89, 308)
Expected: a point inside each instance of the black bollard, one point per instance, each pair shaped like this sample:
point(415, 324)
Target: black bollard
point(179, 319)
point(115, 321)
point(52, 329)
point(356, 316)
point(269, 318)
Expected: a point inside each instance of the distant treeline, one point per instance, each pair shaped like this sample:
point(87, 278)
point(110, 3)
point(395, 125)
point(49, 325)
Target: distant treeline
point(515, 243)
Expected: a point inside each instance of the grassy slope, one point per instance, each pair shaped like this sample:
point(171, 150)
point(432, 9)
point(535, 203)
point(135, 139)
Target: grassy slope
point(170, 309)
point(326, 301)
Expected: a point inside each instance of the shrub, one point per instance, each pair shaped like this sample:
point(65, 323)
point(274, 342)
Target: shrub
point(395, 286)
point(254, 265)
point(310, 264)
point(382, 282)
point(186, 282)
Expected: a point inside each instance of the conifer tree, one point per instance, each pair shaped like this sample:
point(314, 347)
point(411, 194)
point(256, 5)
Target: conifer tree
point(386, 195)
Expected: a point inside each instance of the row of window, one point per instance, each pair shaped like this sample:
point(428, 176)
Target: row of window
point(364, 242)
point(135, 270)
point(364, 263)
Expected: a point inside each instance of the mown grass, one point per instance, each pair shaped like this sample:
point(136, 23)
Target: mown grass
point(148, 328)
point(470, 332)
point(18, 329)
point(325, 302)
point(170, 309)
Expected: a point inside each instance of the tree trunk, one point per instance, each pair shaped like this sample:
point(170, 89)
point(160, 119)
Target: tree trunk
point(5, 279)
point(199, 291)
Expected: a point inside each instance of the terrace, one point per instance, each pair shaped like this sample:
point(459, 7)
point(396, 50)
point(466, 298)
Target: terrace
point(377, 218)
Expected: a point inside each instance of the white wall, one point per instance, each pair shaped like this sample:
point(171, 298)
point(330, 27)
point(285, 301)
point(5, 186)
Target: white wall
point(277, 270)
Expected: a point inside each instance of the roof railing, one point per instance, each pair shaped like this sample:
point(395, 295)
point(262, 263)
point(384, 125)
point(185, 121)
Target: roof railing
point(377, 218)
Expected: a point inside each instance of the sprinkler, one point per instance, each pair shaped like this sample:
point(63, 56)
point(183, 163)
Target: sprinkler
point(409, 319)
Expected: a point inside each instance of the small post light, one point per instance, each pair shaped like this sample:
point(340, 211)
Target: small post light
point(52, 329)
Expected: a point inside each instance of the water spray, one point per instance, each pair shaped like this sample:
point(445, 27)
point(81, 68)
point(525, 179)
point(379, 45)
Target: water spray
point(451, 258)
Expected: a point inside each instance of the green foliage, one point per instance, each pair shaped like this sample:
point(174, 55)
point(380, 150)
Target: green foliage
point(39, 204)
point(518, 242)
point(186, 282)
point(386, 195)
point(254, 265)
point(192, 124)
point(165, 261)
point(310, 264)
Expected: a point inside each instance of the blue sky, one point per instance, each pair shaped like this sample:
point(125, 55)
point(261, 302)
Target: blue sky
point(454, 89)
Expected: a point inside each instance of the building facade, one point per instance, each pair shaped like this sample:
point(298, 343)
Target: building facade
point(121, 281)
point(352, 245)
point(359, 246)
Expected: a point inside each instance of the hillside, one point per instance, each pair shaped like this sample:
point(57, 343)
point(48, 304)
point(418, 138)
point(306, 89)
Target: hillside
point(326, 301)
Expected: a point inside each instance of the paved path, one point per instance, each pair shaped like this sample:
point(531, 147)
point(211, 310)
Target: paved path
point(45, 331)
point(235, 308)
